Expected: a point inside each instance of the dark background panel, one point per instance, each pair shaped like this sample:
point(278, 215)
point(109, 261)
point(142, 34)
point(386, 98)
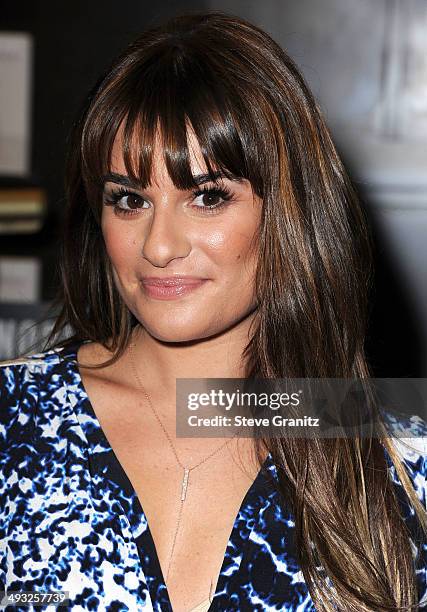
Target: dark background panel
point(73, 44)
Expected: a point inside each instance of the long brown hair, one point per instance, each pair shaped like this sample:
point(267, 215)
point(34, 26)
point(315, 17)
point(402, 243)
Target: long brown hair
point(255, 118)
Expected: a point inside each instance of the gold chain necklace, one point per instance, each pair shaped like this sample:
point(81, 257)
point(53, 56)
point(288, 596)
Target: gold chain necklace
point(187, 470)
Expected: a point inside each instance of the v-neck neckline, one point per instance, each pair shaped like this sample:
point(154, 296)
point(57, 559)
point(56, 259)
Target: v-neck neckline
point(251, 502)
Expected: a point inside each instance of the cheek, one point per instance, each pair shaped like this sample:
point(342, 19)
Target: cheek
point(232, 249)
point(120, 244)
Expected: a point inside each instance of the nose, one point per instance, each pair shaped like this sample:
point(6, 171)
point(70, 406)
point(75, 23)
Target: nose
point(166, 238)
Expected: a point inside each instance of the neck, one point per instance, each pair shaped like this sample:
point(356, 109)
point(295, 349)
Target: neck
point(159, 363)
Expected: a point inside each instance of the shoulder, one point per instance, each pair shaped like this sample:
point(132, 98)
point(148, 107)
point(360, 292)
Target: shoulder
point(412, 454)
point(408, 441)
point(26, 384)
point(408, 437)
point(40, 365)
point(17, 374)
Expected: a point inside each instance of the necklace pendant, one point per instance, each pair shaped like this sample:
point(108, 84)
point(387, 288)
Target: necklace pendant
point(184, 484)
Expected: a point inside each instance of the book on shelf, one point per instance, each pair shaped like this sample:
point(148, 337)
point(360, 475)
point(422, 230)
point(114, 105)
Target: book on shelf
point(22, 210)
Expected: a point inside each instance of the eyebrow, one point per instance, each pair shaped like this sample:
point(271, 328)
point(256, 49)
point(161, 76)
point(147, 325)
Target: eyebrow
point(199, 179)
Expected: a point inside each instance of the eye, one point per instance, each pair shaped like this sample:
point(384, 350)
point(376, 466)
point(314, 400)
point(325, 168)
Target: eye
point(130, 201)
point(124, 201)
point(210, 199)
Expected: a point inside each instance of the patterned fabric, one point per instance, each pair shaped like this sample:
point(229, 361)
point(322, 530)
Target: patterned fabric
point(71, 521)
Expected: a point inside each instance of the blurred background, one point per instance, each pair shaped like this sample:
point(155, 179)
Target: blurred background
point(366, 63)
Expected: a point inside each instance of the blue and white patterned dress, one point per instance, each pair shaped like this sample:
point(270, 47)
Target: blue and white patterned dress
point(71, 521)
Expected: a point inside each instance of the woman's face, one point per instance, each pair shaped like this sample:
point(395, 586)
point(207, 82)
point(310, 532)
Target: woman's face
point(161, 233)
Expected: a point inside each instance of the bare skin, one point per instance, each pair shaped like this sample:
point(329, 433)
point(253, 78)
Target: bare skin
point(201, 334)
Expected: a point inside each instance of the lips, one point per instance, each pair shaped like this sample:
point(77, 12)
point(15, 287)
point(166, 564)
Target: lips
point(170, 288)
point(174, 281)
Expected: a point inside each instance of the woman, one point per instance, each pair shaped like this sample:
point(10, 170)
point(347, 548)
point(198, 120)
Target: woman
point(211, 232)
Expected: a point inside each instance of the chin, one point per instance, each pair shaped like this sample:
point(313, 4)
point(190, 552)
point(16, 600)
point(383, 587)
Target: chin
point(181, 328)
point(180, 331)
point(182, 334)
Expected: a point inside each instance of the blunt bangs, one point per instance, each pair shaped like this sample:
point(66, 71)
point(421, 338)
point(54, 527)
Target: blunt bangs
point(164, 96)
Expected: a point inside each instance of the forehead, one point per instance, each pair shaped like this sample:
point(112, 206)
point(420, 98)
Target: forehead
point(159, 169)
